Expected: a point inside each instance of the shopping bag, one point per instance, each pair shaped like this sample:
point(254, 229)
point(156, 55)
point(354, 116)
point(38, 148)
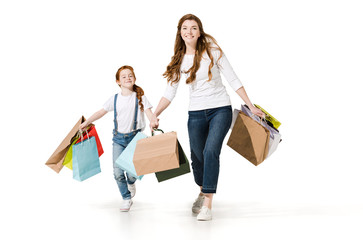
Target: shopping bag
point(56, 159)
point(275, 139)
point(275, 123)
point(250, 139)
point(234, 117)
point(91, 131)
point(124, 161)
point(156, 153)
point(86, 162)
point(68, 158)
point(172, 173)
point(275, 136)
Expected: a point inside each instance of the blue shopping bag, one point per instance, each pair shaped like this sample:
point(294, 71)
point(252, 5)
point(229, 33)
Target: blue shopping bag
point(124, 161)
point(86, 162)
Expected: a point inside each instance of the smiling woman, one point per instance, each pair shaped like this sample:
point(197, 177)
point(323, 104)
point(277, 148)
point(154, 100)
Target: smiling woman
point(199, 59)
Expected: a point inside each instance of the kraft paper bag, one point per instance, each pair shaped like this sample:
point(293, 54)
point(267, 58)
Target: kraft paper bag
point(172, 173)
point(56, 159)
point(124, 161)
point(86, 162)
point(250, 139)
point(275, 136)
point(156, 153)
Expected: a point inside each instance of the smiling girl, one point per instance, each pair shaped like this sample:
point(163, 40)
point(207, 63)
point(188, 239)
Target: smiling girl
point(129, 107)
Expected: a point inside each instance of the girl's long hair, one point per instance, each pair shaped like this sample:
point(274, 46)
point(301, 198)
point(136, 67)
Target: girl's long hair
point(137, 89)
point(204, 44)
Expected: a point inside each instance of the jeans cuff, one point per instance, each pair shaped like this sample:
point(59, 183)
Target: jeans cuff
point(209, 190)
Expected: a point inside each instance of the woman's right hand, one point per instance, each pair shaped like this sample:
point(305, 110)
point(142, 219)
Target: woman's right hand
point(154, 123)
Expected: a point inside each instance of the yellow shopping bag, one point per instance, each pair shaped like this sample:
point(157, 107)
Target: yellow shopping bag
point(270, 118)
point(68, 158)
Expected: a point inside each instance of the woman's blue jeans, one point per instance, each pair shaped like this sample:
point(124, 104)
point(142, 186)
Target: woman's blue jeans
point(120, 142)
point(207, 130)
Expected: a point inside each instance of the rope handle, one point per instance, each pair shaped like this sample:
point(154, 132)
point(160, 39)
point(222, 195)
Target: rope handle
point(156, 129)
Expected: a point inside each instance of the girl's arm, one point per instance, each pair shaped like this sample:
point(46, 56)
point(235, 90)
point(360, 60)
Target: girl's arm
point(163, 104)
point(149, 114)
point(242, 93)
point(97, 115)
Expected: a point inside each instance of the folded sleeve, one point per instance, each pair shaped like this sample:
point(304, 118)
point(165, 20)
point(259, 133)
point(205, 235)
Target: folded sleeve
point(226, 69)
point(170, 90)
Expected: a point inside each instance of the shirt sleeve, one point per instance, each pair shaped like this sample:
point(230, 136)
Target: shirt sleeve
point(108, 106)
point(226, 69)
point(146, 102)
point(170, 90)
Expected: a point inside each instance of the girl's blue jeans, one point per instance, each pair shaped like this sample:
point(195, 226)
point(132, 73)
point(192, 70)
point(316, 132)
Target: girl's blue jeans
point(120, 142)
point(207, 130)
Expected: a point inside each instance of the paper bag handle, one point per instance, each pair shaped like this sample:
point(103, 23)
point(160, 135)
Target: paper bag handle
point(155, 129)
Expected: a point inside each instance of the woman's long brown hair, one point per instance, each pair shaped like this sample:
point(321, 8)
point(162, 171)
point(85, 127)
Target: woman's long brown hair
point(139, 91)
point(204, 44)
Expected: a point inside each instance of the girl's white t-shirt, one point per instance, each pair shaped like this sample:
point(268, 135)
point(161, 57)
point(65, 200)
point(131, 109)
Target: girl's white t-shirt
point(125, 108)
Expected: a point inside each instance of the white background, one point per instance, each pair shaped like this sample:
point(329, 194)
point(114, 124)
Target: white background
point(300, 60)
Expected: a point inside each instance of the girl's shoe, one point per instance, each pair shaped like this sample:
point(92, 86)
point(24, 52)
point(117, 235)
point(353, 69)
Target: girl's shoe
point(197, 205)
point(205, 214)
point(126, 205)
point(132, 189)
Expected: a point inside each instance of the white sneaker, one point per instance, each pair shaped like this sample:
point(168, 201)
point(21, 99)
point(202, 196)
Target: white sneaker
point(197, 205)
point(126, 205)
point(132, 189)
point(205, 214)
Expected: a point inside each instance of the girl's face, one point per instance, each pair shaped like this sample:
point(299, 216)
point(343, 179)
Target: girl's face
point(127, 79)
point(190, 32)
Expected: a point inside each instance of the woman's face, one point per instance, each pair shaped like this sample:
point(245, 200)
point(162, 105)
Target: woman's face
point(190, 32)
point(127, 79)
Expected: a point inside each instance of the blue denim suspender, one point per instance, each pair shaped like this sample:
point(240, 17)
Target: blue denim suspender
point(115, 114)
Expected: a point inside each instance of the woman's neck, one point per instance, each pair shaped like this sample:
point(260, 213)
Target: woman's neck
point(190, 49)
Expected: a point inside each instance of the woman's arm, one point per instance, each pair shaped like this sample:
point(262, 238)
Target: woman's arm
point(243, 94)
point(163, 104)
point(97, 115)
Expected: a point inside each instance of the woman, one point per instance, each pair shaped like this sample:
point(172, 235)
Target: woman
point(199, 59)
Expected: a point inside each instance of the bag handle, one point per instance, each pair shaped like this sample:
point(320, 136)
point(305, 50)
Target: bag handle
point(156, 129)
point(81, 133)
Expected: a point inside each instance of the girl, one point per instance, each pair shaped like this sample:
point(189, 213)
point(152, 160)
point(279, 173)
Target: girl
point(199, 59)
point(129, 107)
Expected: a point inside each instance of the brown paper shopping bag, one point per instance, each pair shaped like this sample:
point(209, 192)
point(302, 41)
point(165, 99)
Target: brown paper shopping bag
point(250, 139)
point(55, 161)
point(156, 153)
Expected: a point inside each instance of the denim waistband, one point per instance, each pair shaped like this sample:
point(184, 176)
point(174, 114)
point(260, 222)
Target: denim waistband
point(124, 138)
point(125, 135)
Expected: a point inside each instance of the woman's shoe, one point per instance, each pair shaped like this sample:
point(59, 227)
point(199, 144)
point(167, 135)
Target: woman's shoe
point(197, 205)
point(205, 214)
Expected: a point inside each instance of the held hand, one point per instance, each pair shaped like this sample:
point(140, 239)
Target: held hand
point(257, 111)
point(154, 123)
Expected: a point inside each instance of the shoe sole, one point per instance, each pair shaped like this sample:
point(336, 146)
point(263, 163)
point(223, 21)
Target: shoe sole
point(125, 209)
